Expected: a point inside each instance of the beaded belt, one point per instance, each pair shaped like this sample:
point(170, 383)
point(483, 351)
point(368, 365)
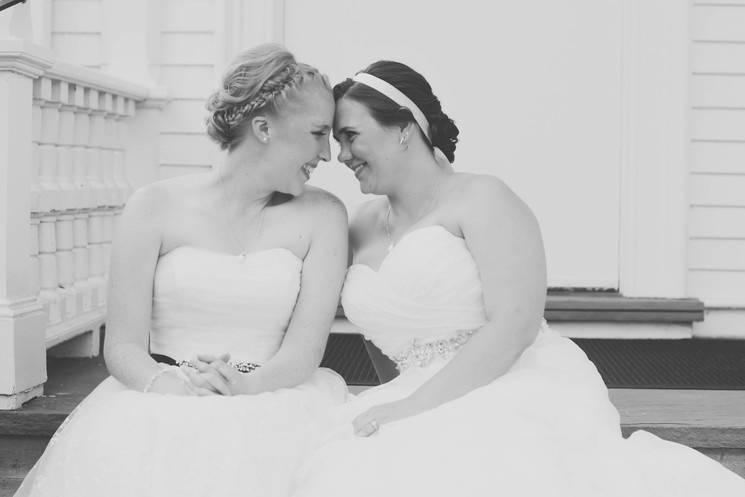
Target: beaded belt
point(421, 354)
point(241, 366)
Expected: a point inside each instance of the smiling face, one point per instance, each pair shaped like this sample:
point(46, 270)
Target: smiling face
point(367, 148)
point(299, 136)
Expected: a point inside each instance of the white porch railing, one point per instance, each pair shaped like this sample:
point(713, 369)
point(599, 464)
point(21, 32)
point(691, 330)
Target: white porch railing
point(78, 187)
point(63, 182)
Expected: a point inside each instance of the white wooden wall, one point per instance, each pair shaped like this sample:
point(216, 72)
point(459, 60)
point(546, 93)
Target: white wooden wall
point(717, 159)
point(196, 37)
point(77, 31)
point(716, 250)
point(188, 65)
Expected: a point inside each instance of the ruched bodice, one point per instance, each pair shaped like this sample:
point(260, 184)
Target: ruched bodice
point(121, 442)
point(545, 426)
point(211, 302)
point(427, 289)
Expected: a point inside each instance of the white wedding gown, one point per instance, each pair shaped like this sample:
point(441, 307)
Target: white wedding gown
point(545, 428)
point(121, 442)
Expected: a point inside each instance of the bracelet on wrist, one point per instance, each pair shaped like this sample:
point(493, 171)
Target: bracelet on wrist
point(151, 381)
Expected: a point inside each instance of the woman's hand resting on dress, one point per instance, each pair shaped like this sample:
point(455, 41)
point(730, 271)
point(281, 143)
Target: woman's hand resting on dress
point(370, 421)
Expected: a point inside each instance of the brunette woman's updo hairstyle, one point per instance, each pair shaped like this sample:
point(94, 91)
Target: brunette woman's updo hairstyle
point(257, 80)
point(443, 131)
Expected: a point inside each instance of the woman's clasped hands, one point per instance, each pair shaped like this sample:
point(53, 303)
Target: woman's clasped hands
point(205, 375)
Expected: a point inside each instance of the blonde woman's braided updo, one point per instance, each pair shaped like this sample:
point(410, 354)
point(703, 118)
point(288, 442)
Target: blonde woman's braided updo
point(258, 79)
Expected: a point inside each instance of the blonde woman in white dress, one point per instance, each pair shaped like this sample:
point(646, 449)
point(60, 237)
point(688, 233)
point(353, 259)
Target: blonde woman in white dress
point(449, 281)
point(231, 280)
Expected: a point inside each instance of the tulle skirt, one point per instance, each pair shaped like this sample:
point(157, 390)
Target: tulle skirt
point(120, 442)
point(545, 428)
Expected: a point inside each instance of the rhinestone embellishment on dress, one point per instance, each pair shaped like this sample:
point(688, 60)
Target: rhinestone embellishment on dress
point(421, 354)
point(241, 366)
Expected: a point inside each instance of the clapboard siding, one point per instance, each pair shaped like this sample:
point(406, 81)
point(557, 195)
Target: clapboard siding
point(720, 254)
point(188, 41)
point(719, 2)
point(188, 15)
point(184, 116)
point(76, 32)
point(187, 48)
point(726, 190)
point(716, 249)
point(186, 149)
point(76, 16)
point(717, 157)
point(718, 288)
point(189, 82)
point(171, 170)
point(717, 23)
point(717, 222)
point(717, 91)
point(718, 124)
point(717, 57)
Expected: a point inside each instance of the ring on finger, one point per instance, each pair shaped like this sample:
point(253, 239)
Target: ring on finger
point(374, 425)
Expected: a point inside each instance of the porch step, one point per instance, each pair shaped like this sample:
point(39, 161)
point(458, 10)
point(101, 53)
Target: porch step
point(612, 307)
point(8, 486)
point(713, 421)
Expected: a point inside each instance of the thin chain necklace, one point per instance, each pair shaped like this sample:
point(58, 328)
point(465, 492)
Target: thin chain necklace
point(430, 205)
point(234, 232)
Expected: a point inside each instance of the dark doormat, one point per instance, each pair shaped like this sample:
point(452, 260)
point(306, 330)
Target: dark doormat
point(706, 364)
point(347, 355)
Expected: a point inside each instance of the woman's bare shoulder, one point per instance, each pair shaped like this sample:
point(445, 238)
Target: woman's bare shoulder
point(364, 219)
point(490, 194)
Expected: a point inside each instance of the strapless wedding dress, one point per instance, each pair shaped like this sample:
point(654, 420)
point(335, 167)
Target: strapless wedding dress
point(545, 428)
point(121, 442)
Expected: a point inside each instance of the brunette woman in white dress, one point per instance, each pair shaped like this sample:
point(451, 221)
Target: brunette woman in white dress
point(230, 279)
point(449, 281)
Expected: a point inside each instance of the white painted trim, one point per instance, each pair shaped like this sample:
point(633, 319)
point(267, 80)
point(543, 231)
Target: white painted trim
point(721, 323)
point(91, 321)
point(242, 25)
point(622, 330)
point(41, 22)
point(24, 58)
point(654, 170)
point(131, 39)
point(97, 80)
point(16, 401)
point(580, 329)
point(345, 327)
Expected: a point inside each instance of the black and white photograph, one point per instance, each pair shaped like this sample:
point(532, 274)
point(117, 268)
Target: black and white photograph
point(334, 248)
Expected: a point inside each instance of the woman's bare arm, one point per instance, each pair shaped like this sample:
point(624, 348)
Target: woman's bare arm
point(324, 268)
point(504, 238)
point(134, 256)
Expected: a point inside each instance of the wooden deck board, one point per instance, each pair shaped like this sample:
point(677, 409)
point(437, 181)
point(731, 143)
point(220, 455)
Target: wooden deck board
point(698, 418)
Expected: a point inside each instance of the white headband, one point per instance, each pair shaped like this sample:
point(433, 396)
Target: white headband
point(397, 96)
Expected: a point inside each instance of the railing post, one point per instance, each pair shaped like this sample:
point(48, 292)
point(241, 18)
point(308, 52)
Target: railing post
point(22, 318)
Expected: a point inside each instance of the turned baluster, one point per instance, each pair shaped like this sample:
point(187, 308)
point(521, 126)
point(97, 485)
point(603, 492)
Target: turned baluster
point(107, 151)
point(65, 158)
point(34, 274)
point(82, 263)
point(96, 264)
point(49, 133)
point(95, 141)
point(48, 279)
